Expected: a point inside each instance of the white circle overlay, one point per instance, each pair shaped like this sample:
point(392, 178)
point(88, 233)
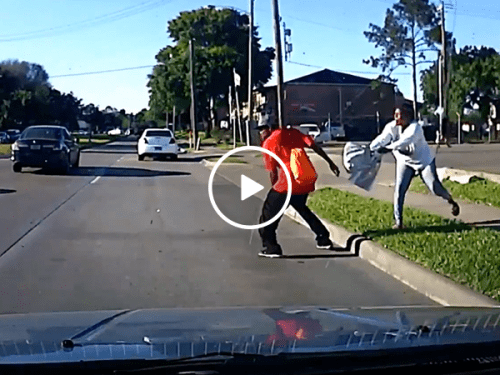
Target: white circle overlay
point(255, 226)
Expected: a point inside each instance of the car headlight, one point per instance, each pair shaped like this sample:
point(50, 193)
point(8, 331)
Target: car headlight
point(15, 146)
point(172, 141)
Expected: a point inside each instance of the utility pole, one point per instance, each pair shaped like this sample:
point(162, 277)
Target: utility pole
point(279, 63)
point(173, 120)
point(443, 71)
point(193, 108)
point(250, 81)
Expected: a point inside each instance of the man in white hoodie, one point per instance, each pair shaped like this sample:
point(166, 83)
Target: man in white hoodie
point(405, 138)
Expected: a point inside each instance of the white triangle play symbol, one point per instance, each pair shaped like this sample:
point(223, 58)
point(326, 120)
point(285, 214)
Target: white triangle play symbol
point(249, 187)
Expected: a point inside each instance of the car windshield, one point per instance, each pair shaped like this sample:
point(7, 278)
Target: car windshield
point(220, 155)
point(158, 133)
point(42, 133)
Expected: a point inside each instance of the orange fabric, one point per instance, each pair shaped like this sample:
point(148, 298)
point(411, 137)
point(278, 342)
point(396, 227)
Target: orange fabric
point(302, 169)
point(294, 329)
point(281, 142)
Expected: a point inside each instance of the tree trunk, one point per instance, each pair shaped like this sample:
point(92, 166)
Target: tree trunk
point(414, 65)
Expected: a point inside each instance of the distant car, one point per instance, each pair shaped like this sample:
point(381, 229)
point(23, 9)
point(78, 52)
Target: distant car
point(309, 129)
point(4, 137)
point(334, 130)
point(116, 131)
point(314, 131)
point(13, 134)
point(157, 142)
point(46, 146)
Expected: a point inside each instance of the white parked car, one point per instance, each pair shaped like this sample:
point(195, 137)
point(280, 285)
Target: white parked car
point(314, 131)
point(335, 130)
point(158, 142)
point(116, 131)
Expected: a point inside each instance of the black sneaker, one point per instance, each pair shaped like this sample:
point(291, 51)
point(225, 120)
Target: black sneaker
point(324, 243)
point(273, 251)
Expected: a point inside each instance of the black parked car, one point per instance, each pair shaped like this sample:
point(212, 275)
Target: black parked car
point(46, 146)
point(13, 134)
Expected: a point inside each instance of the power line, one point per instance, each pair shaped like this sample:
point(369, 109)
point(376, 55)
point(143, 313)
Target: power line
point(102, 71)
point(99, 20)
point(342, 71)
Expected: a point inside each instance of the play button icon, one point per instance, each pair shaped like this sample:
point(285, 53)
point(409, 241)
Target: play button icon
point(249, 187)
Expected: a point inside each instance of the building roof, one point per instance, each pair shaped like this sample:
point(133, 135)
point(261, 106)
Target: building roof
point(330, 76)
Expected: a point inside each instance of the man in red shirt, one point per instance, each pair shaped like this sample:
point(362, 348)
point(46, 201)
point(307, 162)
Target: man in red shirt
point(281, 142)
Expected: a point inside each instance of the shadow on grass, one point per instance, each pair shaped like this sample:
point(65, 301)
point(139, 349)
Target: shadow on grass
point(492, 224)
point(421, 229)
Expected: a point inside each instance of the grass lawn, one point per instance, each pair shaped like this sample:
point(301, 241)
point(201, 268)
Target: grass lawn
point(476, 191)
point(229, 159)
point(229, 146)
point(467, 255)
point(97, 140)
point(4, 149)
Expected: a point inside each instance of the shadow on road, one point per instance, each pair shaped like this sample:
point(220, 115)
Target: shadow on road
point(339, 253)
point(7, 191)
point(112, 149)
point(114, 172)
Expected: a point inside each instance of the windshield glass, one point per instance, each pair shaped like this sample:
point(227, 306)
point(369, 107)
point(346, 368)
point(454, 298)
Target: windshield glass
point(42, 133)
point(247, 153)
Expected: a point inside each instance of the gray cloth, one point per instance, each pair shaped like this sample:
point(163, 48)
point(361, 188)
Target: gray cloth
point(361, 163)
point(404, 175)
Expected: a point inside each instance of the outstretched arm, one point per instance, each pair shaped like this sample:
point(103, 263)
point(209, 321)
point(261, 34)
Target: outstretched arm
point(317, 149)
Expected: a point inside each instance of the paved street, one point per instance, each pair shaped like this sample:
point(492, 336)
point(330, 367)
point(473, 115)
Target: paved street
point(119, 233)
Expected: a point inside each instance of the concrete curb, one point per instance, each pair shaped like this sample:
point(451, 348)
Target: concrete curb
point(434, 286)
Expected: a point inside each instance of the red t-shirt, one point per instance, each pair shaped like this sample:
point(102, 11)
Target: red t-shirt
point(281, 142)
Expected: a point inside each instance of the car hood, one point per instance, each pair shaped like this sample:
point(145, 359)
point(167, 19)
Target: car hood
point(179, 333)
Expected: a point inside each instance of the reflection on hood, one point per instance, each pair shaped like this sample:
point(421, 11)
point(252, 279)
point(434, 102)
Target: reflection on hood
point(183, 333)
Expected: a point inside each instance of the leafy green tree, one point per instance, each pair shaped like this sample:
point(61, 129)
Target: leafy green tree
point(409, 33)
point(19, 82)
point(474, 81)
point(220, 40)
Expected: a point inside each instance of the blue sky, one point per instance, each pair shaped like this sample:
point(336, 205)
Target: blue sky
point(80, 36)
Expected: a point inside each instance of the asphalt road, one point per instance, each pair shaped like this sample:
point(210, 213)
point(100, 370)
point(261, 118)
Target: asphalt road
point(119, 233)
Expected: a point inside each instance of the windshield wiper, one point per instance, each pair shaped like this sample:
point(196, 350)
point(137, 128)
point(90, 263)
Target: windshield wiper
point(76, 339)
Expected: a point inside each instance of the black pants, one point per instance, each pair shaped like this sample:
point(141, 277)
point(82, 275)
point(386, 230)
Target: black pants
point(273, 204)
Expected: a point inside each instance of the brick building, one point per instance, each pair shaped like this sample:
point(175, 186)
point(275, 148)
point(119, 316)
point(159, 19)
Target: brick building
point(346, 99)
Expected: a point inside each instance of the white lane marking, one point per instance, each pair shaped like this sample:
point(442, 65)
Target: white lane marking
point(95, 180)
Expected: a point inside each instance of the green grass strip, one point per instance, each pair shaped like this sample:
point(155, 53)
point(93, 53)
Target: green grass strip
point(4, 149)
point(467, 255)
point(477, 191)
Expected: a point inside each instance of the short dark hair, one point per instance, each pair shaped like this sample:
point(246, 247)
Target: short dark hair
point(406, 109)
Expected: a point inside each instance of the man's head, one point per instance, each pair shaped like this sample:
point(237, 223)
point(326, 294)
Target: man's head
point(264, 132)
point(403, 115)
